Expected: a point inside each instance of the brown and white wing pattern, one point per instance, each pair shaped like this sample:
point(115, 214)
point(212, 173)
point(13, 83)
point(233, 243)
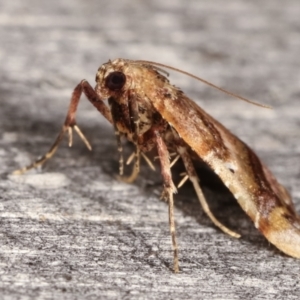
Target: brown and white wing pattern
point(259, 194)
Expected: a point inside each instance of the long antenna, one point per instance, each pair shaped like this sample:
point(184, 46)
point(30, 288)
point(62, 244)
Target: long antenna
point(202, 80)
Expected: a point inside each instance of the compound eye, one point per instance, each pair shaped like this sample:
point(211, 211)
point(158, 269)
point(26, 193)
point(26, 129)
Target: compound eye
point(115, 81)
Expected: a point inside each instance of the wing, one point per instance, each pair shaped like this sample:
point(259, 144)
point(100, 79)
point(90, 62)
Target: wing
point(257, 191)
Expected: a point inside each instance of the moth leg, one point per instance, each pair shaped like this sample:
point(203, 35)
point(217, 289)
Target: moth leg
point(183, 180)
point(174, 161)
point(135, 170)
point(169, 190)
point(195, 181)
point(148, 161)
point(146, 158)
point(130, 158)
point(120, 150)
point(45, 157)
point(135, 120)
point(70, 123)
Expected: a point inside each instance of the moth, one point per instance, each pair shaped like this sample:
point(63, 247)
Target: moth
point(151, 113)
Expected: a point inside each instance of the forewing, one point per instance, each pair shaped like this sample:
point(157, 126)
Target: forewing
point(257, 191)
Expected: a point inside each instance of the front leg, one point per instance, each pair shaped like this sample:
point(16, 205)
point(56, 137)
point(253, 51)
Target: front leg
point(70, 122)
point(169, 190)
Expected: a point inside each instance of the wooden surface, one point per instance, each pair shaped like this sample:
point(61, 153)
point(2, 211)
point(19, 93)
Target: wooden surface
point(71, 230)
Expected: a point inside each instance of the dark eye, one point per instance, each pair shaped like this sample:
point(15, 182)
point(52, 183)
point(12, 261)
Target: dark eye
point(115, 81)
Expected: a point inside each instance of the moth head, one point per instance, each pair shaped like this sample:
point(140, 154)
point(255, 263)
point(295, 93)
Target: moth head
point(112, 78)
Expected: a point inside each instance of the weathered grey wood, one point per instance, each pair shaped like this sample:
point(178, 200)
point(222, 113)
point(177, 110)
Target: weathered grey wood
point(71, 231)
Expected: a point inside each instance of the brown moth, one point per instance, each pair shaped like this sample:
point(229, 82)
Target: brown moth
point(153, 114)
